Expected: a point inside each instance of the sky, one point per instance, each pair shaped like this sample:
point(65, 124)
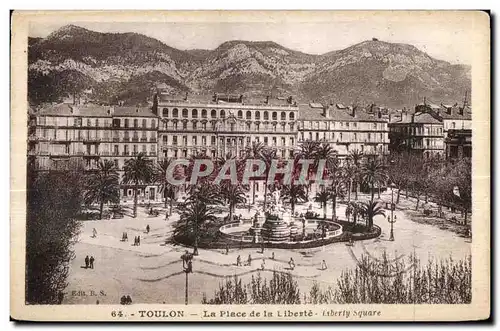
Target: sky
point(445, 41)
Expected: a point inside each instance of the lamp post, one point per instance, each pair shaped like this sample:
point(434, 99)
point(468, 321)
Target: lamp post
point(187, 266)
point(392, 219)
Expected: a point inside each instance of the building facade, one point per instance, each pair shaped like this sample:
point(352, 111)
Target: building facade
point(225, 126)
point(181, 127)
point(345, 128)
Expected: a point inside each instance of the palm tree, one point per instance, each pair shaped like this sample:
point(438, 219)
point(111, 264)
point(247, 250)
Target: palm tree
point(208, 193)
point(353, 209)
point(326, 152)
point(355, 158)
point(160, 177)
point(293, 194)
point(267, 155)
point(254, 152)
point(337, 187)
point(322, 197)
point(371, 209)
point(308, 150)
point(349, 172)
point(194, 215)
point(138, 171)
point(373, 173)
point(102, 186)
point(233, 194)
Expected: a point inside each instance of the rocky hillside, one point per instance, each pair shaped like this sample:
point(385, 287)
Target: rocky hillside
point(127, 66)
point(385, 73)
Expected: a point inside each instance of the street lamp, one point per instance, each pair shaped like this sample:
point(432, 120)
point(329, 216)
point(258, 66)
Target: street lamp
point(392, 219)
point(187, 266)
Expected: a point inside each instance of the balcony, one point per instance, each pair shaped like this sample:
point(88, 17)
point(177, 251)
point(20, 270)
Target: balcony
point(125, 154)
point(126, 139)
point(135, 139)
point(116, 139)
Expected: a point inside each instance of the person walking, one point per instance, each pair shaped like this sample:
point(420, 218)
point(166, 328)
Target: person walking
point(238, 261)
point(138, 240)
point(249, 261)
point(86, 262)
point(291, 264)
point(147, 228)
point(94, 233)
point(323, 265)
point(125, 236)
point(263, 265)
point(227, 249)
point(92, 262)
point(272, 256)
point(129, 300)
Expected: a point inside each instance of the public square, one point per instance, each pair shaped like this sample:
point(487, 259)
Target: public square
point(153, 272)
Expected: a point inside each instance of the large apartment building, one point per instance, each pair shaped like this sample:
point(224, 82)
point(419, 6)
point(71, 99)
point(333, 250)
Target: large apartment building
point(433, 131)
point(347, 129)
point(183, 126)
point(225, 125)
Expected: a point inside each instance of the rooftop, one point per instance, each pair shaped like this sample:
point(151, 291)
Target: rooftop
point(90, 110)
point(307, 112)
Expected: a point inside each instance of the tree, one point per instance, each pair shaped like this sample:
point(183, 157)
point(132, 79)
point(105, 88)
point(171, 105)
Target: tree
point(267, 155)
point(233, 194)
point(355, 158)
point(337, 186)
point(294, 194)
point(193, 216)
point(322, 197)
point(371, 209)
point(208, 193)
point(102, 186)
point(160, 177)
point(373, 173)
point(308, 150)
point(54, 200)
point(353, 209)
point(254, 152)
point(138, 171)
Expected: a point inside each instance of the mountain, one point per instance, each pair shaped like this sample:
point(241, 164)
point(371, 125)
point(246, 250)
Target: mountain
point(385, 73)
point(127, 67)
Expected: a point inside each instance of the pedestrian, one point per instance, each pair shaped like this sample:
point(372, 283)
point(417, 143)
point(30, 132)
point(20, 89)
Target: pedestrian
point(138, 240)
point(86, 262)
point(126, 236)
point(249, 261)
point(238, 261)
point(272, 256)
point(135, 241)
point(291, 264)
point(123, 300)
point(91, 262)
point(129, 300)
point(147, 228)
point(323, 265)
point(227, 249)
point(263, 265)
point(262, 247)
point(94, 233)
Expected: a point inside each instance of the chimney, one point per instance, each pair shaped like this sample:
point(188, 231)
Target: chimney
point(379, 114)
point(326, 111)
point(74, 110)
point(137, 109)
point(241, 98)
point(413, 118)
point(186, 96)
point(289, 100)
point(267, 99)
point(353, 111)
point(111, 110)
point(389, 117)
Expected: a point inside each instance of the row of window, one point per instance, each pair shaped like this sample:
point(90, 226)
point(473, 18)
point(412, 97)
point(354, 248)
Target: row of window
point(347, 136)
point(185, 153)
point(240, 141)
point(330, 125)
point(222, 114)
point(213, 126)
point(96, 122)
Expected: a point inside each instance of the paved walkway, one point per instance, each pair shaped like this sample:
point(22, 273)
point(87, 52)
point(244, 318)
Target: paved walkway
point(152, 272)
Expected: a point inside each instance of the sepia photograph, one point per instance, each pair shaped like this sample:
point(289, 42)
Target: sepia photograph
point(316, 164)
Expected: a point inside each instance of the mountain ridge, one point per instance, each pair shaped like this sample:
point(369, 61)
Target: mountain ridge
point(371, 71)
